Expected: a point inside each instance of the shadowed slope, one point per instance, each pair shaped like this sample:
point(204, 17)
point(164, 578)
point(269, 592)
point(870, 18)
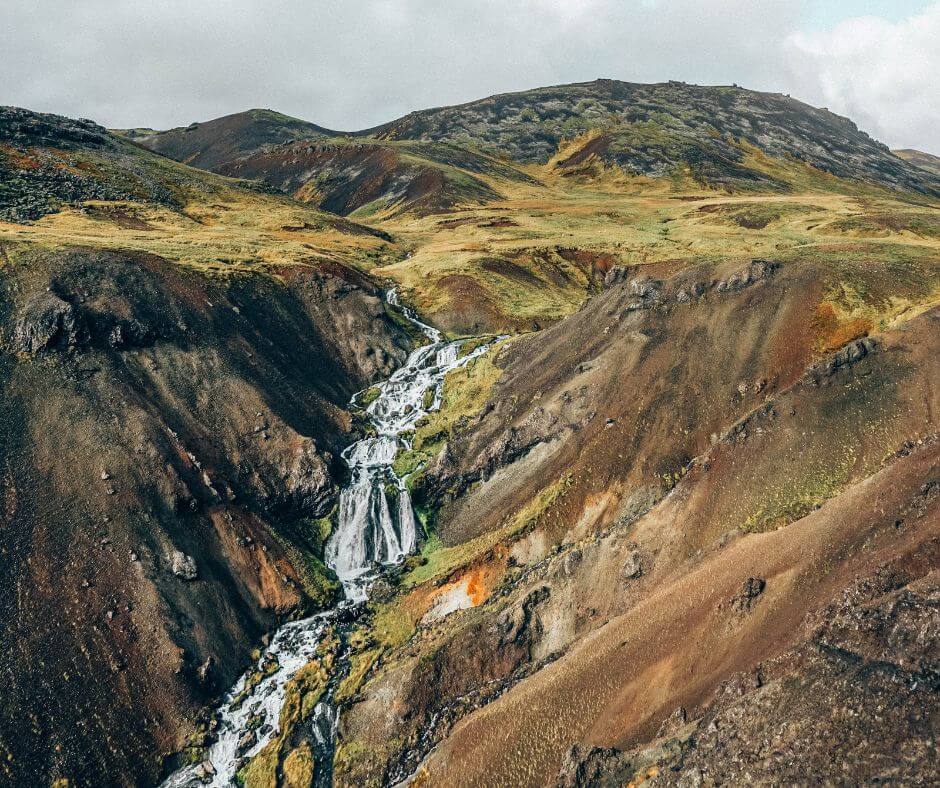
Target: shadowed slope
point(215, 142)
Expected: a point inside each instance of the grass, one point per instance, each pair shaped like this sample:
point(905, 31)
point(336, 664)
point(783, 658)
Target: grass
point(438, 561)
point(302, 693)
point(466, 390)
point(204, 221)
point(640, 221)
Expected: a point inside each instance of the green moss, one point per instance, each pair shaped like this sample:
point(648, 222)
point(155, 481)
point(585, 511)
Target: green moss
point(302, 693)
point(466, 390)
point(318, 582)
point(408, 461)
point(261, 770)
point(360, 664)
point(298, 768)
point(428, 399)
point(368, 397)
point(353, 763)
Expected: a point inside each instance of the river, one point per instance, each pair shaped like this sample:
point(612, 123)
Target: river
point(371, 534)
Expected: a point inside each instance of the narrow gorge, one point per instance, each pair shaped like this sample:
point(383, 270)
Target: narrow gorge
point(370, 535)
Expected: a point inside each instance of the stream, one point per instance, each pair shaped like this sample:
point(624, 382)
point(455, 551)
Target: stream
point(370, 534)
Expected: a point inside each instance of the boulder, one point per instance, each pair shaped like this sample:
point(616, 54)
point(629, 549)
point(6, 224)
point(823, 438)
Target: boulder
point(46, 323)
point(183, 566)
point(633, 568)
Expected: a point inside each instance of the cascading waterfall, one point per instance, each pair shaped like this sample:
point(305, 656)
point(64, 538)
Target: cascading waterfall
point(370, 533)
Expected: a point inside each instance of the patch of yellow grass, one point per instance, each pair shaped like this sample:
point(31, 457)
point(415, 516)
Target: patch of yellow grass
point(639, 221)
point(232, 232)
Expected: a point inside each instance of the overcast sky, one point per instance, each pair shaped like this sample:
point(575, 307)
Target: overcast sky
point(351, 64)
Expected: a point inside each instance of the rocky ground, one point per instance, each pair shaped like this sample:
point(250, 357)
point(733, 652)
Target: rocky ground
point(169, 445)
point(680, 527)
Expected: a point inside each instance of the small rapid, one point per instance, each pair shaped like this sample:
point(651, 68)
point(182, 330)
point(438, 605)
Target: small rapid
point(374, 530)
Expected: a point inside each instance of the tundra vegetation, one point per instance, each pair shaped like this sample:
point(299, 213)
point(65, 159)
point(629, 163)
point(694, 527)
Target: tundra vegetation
point(681, 519)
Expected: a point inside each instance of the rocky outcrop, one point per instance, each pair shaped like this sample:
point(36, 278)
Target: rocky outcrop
point(37, 176)
point(47, 322)
point(659, 533)
point(703, 135)
point(166, 441)
point(866, 666)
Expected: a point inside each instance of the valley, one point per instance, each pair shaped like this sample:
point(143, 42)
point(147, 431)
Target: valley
point(586, 435)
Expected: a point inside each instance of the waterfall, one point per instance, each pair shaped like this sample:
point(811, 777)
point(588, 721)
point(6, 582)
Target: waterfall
point(370, 534)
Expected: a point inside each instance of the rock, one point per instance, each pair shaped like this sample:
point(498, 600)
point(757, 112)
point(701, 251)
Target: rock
point(633, 568)
point(615, 275)
point(308, 485)
point(182, 565)
point(746, 599)
point(595, 766)
point(247, 741)
point(672, 723)
point(47, 323)
point(205, 672)
point(571, 562)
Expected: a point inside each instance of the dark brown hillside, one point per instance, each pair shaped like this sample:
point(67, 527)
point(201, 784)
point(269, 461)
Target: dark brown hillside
point(214, 142)
point(168, 443)
point(172, 393)
point(342, 176)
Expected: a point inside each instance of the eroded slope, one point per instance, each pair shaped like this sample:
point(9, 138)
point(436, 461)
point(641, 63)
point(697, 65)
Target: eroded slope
point(654, 495)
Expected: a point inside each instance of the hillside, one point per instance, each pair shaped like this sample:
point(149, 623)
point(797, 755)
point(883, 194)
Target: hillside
point(676, 500)
point(176, 356)
point(377, 180)
point(634, 537)
point(215, 142)
point(710, 133)
point(551, 187)
point(926, 161)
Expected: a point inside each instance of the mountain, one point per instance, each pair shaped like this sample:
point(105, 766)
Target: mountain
point(176, 356)
point(716, 134)
point(658, 526)
point(375, 179)
point(719, 137)
point(676, 502)
point(209, 144)
point(926, 161)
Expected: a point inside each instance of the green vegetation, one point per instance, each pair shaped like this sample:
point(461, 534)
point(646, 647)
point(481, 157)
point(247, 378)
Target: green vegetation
point(466, 390)
point(303, 542)
point(368, 397)
point(439, 561)
point(302, 694)
point(884, 225)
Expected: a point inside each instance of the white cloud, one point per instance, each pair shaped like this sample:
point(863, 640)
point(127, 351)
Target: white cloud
point(883, 75)
point(350, 64)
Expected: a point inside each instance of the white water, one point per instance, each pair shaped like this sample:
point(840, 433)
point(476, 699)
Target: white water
point(370, 533)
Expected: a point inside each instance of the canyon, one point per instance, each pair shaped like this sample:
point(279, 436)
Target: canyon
point(585, 435)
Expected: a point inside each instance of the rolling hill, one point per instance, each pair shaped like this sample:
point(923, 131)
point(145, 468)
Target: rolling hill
point(678, 525)
point(215, 142)
point(926, 161)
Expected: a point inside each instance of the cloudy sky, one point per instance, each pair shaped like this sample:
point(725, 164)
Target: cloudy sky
point(350, 64)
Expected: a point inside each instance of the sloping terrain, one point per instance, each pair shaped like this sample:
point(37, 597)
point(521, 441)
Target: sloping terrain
point(926, 161)
point(550, 187)
point(374, 179)
point(215, 142)
point(665, 128)
point(622, 526)
point(172, 410)
point(680, 526)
